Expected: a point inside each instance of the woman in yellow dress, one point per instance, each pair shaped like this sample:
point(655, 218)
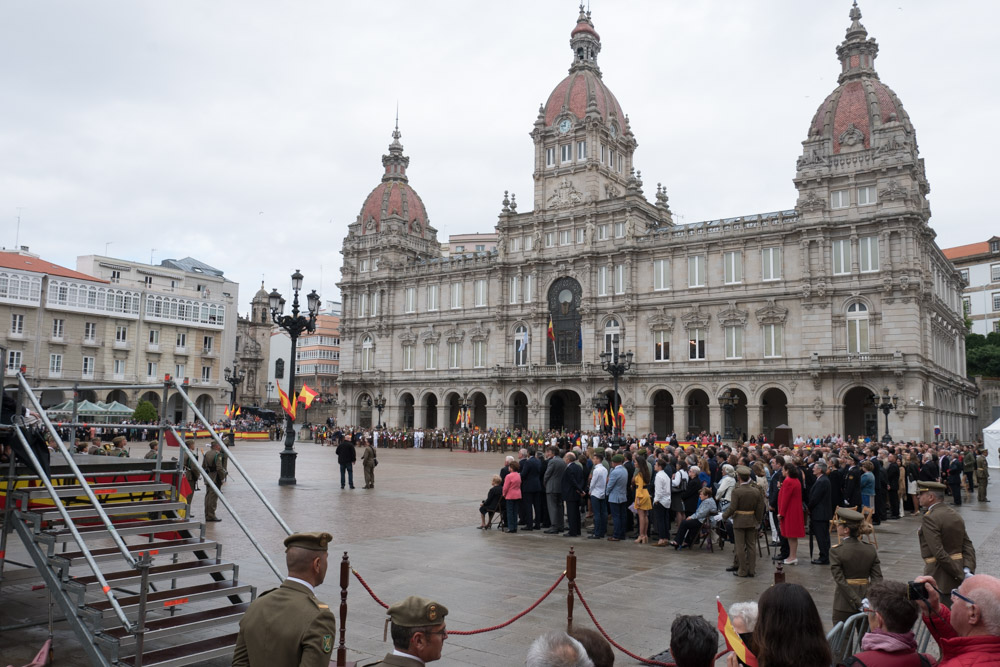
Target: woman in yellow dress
point(643, 503)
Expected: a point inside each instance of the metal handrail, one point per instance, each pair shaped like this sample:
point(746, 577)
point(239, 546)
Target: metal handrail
point(218, 492)
point(105, 519)
point(231, 458)
point(105, 587)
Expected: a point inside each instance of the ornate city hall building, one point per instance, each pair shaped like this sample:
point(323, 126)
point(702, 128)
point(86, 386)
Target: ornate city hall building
point(795, 317)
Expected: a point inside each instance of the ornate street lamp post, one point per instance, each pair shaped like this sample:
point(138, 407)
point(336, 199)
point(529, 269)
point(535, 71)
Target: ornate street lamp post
point(379, 404)
point(600, 405)
point(617, 365)
point(295, 324)
point(729, 401)
point(234, 377)
point(886, 404)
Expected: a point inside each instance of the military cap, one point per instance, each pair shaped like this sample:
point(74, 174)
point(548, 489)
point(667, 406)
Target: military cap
point(599, 451)
point(618, 458)
point(415, 612)
point(848, 516)
point(311, 541)
point(931, 486)
point(743, 471)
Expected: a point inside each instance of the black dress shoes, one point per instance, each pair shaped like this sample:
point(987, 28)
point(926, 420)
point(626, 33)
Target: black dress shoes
point(732, 569)
point(819, 561)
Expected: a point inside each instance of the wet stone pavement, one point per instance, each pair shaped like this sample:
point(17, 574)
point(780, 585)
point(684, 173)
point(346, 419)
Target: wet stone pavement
point(415, 534)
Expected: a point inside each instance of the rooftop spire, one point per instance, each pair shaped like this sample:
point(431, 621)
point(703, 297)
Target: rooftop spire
point(585, 42)
point(395, 162)
point(857, 52)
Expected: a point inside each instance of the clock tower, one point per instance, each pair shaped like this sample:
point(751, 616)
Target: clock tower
point(583, 142)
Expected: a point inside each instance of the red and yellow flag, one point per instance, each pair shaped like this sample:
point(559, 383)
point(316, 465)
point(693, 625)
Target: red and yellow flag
point(306, 396)
point(551, 334)
point(468, 418)
point(226, 413)
point(239, 411)
point(621, 418)
point(286, 405)
point(595, 418)
point(733, 640)
point(458, 418)
point(606, 418)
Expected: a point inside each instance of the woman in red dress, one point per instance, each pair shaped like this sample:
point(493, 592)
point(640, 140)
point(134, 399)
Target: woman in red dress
point(793, 525)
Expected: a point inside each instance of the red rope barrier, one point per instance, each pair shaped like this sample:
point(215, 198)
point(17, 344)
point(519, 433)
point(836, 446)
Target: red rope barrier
point(480, 630)
point(618, 646)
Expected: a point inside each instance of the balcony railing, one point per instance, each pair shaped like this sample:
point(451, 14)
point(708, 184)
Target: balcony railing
point(91, 342)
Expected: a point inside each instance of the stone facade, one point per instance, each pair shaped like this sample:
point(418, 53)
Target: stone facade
point(253, 350)
point(800, 314)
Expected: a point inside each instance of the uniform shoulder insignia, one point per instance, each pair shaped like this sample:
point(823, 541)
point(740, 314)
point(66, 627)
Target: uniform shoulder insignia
point(835, 546)
point(270, 590)
point(322, 606)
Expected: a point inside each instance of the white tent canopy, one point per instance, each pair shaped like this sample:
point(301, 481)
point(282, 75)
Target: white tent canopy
point(991, 440)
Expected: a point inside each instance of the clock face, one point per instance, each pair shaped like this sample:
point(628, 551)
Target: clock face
point(614, 131)
point(565, 125)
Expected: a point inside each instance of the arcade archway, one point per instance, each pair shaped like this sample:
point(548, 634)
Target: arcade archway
point(564, 410)
point(860, 416)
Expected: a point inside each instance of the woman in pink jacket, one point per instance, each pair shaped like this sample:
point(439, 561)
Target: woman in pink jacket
point(512, 495)
point(793, 524)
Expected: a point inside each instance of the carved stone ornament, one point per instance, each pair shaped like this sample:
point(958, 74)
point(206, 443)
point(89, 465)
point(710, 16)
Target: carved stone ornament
point(611, 191)
point(752, 386)
point(810, 158)
point(430, 336)
point(696, 319)
point(818, 407)
point(480, 332)
point(660, 321)
point(792, 385)
point(812, 202)
point(565, 195)
point(892, 192)
point(499, 409)
point(891, 144)
point(418, 229)
point(852, 136)
point(771, 313)
point(817, 380)
point(733, 316)
point(454, 335)
point(408, 337)
point(370, 225)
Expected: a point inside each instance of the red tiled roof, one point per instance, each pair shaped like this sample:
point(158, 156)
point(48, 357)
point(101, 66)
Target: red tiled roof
point(12, 260)
point(967, 250)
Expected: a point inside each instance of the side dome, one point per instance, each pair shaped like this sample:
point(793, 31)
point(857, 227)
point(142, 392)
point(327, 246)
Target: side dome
point(583, 92)
point(861, 103)
point(393, 200)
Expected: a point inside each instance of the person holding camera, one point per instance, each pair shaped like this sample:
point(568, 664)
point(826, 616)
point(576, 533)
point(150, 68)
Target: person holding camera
point(890, 641)
point(968, 633)
point(944, 544)
point(854, 565)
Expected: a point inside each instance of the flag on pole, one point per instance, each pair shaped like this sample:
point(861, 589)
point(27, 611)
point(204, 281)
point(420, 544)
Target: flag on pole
point(287, 405)
point(468, 418)
point(550, 333)
point(458, 418)
point(306, 396)
point(594, 412)
point(606, 419)
point(226, 413)
point(239, 411)
point(621, 418)
point(733, 640)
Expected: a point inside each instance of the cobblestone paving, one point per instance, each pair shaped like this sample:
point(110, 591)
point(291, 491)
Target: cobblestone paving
point(415, 534)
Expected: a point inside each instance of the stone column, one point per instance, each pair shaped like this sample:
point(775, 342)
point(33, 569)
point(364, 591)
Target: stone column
point(443, 417)
point(419, 416)
point(716, 419)
point(755, 419)
point(680, 421)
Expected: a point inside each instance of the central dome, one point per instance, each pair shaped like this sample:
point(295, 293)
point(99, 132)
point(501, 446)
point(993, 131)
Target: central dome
point(393, 197)
point(583, 92)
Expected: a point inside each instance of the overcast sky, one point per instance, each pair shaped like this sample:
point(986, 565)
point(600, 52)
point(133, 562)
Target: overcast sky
point(248, 133)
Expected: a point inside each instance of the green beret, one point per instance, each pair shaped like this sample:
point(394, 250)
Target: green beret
point(415, 612)
point(848, 516)
point(618, 458)
point(931, 486)
point(598, 451)
point(311, 541)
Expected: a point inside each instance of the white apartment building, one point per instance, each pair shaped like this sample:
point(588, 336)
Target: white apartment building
point(979, 266)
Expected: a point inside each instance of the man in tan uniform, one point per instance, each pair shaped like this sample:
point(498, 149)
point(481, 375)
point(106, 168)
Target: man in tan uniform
point(215, 468)
point(418, 632)
point(944, 544)
point(288, 626)
point(747, 509)
point(982, 476)
point(854, 565)
point(368, 462)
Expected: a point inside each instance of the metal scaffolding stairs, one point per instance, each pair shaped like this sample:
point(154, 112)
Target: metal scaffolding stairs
point(134, 576)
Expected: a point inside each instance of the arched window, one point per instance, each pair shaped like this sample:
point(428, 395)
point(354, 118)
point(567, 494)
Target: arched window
point(612, 335)
point(857, 329)
point(521, 345)
point(367, 353)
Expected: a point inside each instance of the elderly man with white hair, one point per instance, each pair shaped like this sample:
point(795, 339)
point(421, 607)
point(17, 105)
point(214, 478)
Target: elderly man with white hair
point(557, 649)
point(968, 633)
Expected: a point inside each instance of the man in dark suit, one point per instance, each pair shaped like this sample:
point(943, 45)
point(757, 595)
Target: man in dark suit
point(573, 492)
point(881, 487)
point(892, 473)
point(531, 490)
point(553, 479)
point(928, 469)
point(852, 486)
point(955, 470)
point(821, 511)
point(836, 477)
point(777, 463)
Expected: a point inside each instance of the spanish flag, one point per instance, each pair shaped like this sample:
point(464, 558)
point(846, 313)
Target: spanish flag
point(226, 413)
point(306, 396)
point(239, 411)
point(551, 334)
point(621, 418)
point(286, 405)
point(595, 418)
point(458, 418)
point(606, 413)
point(732, 638)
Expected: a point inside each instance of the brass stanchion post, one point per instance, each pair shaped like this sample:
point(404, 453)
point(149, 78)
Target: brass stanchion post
point(570, 579)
